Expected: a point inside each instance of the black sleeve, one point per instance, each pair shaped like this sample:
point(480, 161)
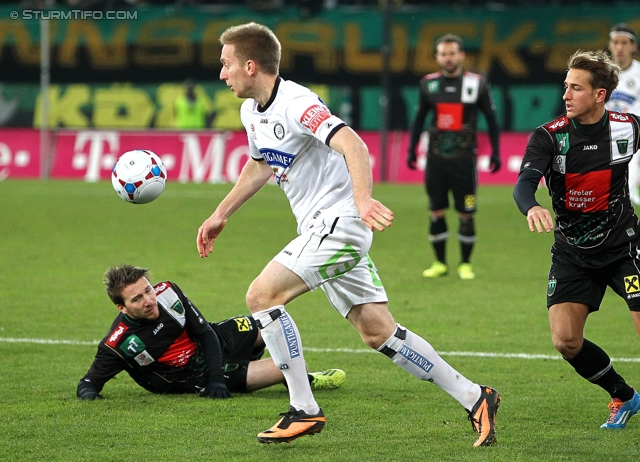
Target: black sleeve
point(524, 192)
point(485, 103)
point(536, 160)
point(418, 122)
point(212, 354)
point(105, 366)
point(199, 328)
point(636, 118)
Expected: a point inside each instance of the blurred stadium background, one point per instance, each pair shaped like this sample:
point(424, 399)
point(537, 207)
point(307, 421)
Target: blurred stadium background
point(111, 71)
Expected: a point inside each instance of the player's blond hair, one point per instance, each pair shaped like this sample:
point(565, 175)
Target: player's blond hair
point(602, 71)
point(255, 42)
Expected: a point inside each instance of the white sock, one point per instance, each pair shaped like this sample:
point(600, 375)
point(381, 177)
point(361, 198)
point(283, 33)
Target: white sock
point(416, 356)
point(283, 342)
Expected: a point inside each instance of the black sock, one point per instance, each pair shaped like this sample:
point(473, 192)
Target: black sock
point(593, 364)
point(438, 234)
point(467, 237)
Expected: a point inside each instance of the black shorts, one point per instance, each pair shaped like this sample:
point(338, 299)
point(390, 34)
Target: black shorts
point(238, 338)
point(581, 278)
point(458, 175)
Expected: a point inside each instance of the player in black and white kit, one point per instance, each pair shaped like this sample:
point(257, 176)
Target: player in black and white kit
point(583, 156)
point(455, 97)
point(323, 168)
point(165, 344)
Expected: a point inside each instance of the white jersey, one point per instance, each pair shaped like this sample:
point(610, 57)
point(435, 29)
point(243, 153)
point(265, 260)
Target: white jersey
point(626, 96)
point(291, 133)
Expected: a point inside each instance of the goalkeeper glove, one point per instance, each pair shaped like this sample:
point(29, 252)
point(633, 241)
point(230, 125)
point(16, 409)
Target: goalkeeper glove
point(87, 391)
point(216, 390)
point(495, 163)
point(411, 159)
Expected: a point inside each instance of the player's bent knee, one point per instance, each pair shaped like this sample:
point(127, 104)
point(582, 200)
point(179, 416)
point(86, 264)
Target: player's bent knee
point(373, 341)
point(258, 299)
point(373, 322)
point(568, 348)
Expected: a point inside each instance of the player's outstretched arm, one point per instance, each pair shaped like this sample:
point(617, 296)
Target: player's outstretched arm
point(374, 214)
point(254, 176)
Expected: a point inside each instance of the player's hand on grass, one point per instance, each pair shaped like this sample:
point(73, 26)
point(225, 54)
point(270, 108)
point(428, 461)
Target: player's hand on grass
point(87, 391)
point(207, 234)
point(216, 390)
point(88, 395)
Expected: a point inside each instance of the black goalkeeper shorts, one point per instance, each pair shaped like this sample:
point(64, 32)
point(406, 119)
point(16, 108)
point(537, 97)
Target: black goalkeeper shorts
point(238, 337)
point(458, 175)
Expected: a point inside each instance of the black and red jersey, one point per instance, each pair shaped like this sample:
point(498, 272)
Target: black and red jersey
point(585, 169)
point(165, 355)
point(455, 103)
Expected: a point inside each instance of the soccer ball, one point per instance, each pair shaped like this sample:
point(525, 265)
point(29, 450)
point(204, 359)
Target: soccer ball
point(139, 176)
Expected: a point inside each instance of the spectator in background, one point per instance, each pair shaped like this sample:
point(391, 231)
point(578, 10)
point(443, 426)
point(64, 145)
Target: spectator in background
point(455, 96)
point(626, 97)
point(190, 109)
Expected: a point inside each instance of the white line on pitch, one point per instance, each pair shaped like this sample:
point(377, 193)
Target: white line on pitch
point(478, 354)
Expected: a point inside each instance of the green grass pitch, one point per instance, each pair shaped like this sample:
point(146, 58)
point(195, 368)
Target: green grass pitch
point(58, 237)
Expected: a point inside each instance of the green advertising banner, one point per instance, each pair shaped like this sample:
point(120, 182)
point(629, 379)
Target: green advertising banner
point(126, 67)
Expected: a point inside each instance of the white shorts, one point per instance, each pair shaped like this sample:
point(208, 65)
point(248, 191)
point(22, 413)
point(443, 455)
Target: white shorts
point(332, 254)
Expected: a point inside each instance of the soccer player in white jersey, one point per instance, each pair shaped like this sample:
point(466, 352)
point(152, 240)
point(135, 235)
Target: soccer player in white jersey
point(323, 168)
point(626, 97)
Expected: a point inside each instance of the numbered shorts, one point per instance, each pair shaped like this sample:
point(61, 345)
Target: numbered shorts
point(332, 255)
point(238, 337)
point(457, 175)
point(584, 279)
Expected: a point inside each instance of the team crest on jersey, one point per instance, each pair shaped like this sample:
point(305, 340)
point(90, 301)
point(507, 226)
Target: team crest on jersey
point(623, 145)
point(177, 307)
point(433, 86)
point(278, 130)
